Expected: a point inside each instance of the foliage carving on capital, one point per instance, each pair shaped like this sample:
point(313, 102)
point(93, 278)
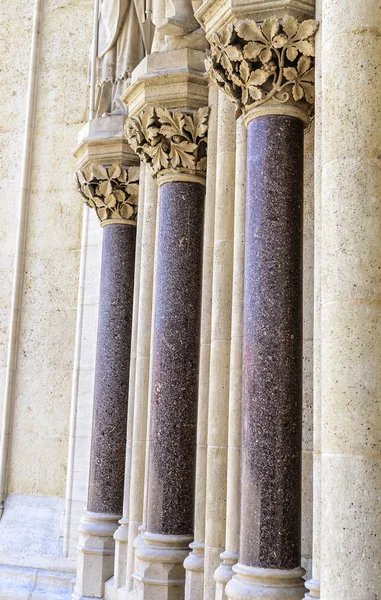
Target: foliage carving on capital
point(111, 190)
point(170, 140)
point(268, 62)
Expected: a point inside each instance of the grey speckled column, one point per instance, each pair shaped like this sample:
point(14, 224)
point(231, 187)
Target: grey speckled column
point(159, 571)
point(272, 362)
point(108, 443)
point(175, 360)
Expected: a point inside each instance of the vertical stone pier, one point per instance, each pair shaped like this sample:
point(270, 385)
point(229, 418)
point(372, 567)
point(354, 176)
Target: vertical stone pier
point(274, 92)
point(112, 190)
point(170, 135)
point(351, 301)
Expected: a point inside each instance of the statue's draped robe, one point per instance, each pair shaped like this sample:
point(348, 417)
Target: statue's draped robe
point(120, 50)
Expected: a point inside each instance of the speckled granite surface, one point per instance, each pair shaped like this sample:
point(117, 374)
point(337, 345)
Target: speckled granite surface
point(175, 360)
point(108, 444)
point(272, 345)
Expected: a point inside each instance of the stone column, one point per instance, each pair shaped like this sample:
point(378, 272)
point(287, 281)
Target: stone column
point(113, 192)
point(274, 90)
point(218, 411)
point(194, 563)
point(174, 144)
point(230, 555)
point(351, 301)
point(121, 534)
point(142, 370)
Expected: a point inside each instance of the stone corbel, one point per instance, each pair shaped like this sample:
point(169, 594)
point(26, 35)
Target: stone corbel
point(266, 67)
point(172, 142)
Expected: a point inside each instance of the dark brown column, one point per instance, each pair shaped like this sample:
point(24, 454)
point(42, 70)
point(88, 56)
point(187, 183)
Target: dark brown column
point(272, 345)
point(162, 548)
point(175, 360)
point(108, 442)
point(272, 364)
point(96, 547)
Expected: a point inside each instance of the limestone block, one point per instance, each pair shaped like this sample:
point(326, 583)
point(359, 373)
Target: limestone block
point(215, 14)
point(169, 79)
point(351, 270)
point(350, 512)
point(353, 113)
point(351, 419)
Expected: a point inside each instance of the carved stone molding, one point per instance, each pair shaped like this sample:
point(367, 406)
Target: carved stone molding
point(111, 190)
point(170, 141)
point(266, 64)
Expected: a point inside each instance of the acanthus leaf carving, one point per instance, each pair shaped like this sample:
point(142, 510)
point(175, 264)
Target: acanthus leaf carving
point(170, 140)
point(111, 190)
point(258, 63)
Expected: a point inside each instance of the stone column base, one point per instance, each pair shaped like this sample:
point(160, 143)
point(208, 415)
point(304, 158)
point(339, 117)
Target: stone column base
point(314, 590)
point(266, 584)
point(194, 567)
point(224, 573)
point(96, 550)
point(159, 571)
point(121, 540)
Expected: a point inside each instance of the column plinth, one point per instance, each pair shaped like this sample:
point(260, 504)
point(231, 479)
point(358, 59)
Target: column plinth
point(194, 567)
point(224, 573)
point(313, 587)
point(159, 572)
point(266, 584)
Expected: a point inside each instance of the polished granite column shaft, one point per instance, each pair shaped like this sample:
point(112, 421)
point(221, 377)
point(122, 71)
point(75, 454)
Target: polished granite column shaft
point(173, 418)
point(108, 441)
point(270, 537)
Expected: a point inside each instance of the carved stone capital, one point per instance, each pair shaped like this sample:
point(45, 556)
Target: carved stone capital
point(170, 141)
point(111, 190)
point(266, 67)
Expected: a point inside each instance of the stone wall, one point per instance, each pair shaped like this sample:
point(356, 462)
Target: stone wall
point(41, 399)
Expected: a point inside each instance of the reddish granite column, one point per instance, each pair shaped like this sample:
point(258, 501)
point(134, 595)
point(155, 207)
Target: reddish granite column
point(159, 571)
point(113, 192)
point(174, 145)
point(108, 442)
point(270, 538)
point(173, 418)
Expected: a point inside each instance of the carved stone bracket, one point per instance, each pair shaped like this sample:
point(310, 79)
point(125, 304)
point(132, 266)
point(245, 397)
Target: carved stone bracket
point(268, 63)
point(170, 141)
point(112, 191)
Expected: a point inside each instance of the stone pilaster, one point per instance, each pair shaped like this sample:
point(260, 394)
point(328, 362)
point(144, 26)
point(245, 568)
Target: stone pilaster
point(112, 191)
point(350, 301)
point(266, 68)
point(169, 134)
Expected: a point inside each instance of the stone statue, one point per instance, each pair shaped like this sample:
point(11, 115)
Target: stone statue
point(122, 44)
point(180, 27)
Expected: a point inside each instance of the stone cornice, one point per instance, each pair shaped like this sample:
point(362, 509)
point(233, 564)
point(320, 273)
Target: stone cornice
point(170, 141)
point(216, 14)
point(266, 66)
point(111, 190)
